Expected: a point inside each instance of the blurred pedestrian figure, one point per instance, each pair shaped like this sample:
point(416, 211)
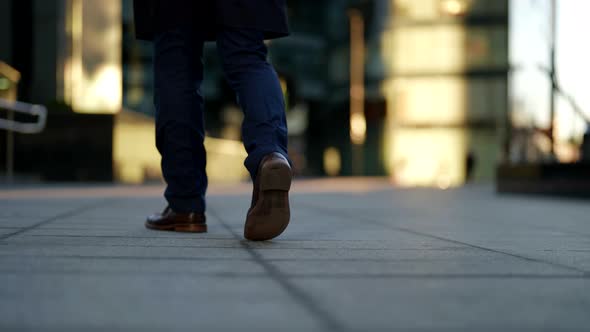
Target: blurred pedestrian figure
point(178, 29)
point(585, 147)
point(469, 166)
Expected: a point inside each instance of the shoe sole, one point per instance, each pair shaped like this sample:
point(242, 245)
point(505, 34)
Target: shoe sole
point(270, 216)
point(192, 228)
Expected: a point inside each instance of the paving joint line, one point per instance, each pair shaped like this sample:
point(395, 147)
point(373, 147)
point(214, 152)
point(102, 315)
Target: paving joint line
point(287, 260)
point(507, 253)
point(124, 258)
point(322, 316)
point(125, 236)
point(229, 247)
point(66, 214)
point(80, 273)
point(423, 234)
point(16, 244)
point(315, 276)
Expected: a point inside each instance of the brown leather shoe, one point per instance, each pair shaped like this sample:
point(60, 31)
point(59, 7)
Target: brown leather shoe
point(269, 212)
point(179, 222)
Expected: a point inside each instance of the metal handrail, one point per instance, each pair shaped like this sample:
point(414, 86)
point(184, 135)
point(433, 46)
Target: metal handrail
point(24, 128)
point(11, 126)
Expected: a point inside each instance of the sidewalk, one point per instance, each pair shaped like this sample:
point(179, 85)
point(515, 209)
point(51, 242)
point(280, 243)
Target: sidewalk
point(358, 255)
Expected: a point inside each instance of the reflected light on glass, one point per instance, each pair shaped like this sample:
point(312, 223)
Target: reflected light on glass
point(455, 7)
point(93, 75)
point(358, 128)
point(137, 160)
point(429, 157)
point(425, 130)
point(358, 124)
point(332, 161)
point(100, 92)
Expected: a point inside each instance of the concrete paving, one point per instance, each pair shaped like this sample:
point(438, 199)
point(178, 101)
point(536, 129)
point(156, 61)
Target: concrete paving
point(358, 255)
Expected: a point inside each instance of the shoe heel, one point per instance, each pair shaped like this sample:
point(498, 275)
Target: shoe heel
point(276, 177)
point(270, 217)
point(194, 228)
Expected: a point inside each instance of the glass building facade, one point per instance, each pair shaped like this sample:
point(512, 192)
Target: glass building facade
point(434, 94)
point(435, 87)
point(446, 89)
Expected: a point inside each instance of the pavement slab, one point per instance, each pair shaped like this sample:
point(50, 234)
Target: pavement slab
point(359, 255)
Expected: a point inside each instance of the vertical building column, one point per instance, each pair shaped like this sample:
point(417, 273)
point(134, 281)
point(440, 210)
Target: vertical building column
point(92, 69)
point(44, 51)
point(446, 89)
point(6, 31)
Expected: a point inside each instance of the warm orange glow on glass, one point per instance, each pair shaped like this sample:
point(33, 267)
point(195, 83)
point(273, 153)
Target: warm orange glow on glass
point(93, 77)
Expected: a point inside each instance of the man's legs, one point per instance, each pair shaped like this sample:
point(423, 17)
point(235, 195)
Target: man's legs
point(264, 130)
point(178, 73)
point(259, 93)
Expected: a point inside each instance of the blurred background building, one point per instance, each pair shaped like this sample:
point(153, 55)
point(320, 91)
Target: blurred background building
point(425, 92)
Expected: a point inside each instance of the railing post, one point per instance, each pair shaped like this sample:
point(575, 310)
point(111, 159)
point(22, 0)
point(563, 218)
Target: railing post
point(11, 126)
point(10, 150)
